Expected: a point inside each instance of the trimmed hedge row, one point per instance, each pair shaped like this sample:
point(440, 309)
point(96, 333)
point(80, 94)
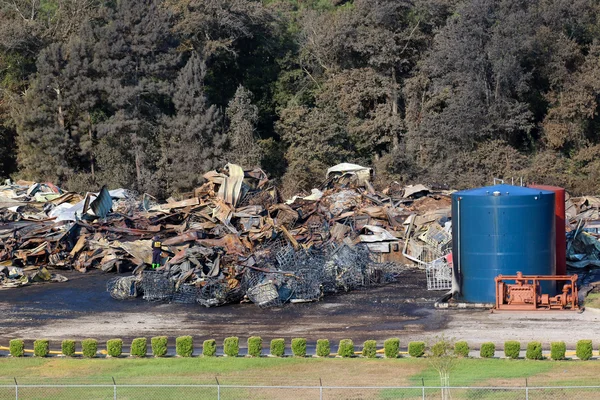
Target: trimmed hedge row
point(184, 347)
point(255, 346)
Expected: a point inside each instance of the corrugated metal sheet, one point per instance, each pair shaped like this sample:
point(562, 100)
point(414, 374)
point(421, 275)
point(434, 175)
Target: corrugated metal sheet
point(102, 205)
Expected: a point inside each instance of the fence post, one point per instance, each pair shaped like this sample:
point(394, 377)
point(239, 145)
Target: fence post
point(320, 389)
point(16, 389)
point(114, 388)
point(423, 384)
point(218, 389)
point(526, 390)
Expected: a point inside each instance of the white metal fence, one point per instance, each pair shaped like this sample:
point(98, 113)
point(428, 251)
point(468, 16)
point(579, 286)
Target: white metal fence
point(230, 392)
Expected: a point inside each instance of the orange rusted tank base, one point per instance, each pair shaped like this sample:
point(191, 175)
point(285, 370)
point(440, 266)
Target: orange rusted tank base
point(525, 294)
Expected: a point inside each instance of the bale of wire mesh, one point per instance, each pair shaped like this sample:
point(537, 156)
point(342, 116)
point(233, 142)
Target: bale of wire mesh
point(157, 286)
point(185, 294)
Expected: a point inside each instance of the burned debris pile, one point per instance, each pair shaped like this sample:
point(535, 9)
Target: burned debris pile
point(233, 239)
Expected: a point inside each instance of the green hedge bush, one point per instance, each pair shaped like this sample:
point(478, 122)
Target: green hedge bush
point(391, 347)
point(17, 347)
point(487, 350)
point(41, 348)
point(512, 348)
point(534, 351)
point(159, 346)
point(209, 348)
point(369, 349)
point(114, 347)
point(278, 347)
point(139, 347)
point(416, 349)
point(346, 348)
point(584, 349)
point(231, 346)
point(461, 349)
point(89, 347)
point(299, 347)
point(68, 347)
point(323, 348)
point(255, 346)
point(184, 346)
point(442, 348)
point(558, 350)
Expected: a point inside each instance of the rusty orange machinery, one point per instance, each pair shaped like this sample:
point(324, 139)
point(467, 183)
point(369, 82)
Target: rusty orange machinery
point(525, 293)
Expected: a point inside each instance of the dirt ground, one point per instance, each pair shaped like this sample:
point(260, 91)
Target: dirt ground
point(82, 308)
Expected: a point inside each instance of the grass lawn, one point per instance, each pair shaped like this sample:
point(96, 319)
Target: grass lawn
point(282, 371)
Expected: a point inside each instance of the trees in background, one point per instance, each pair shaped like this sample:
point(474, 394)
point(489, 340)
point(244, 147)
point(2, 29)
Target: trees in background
point(150, 95)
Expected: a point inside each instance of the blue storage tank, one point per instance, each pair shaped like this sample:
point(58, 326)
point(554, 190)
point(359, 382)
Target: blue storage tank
point(501, 229)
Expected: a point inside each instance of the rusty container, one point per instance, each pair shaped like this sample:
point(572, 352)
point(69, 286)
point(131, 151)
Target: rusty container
point(502, 229)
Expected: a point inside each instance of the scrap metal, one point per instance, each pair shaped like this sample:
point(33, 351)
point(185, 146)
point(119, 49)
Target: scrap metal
point(232, 239)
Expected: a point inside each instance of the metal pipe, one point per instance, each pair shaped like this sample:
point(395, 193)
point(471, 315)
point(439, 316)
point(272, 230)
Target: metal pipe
point(458, 257)
point(320, 389)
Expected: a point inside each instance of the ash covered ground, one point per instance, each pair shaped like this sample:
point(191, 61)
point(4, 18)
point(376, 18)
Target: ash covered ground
point(82, 308)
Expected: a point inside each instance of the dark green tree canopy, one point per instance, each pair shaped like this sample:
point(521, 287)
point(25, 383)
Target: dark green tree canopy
point(151, 94)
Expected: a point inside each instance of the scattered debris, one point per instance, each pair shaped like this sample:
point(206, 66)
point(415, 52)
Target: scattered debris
point(233, 239)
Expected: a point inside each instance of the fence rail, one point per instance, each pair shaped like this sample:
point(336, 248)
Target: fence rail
point(218, 391)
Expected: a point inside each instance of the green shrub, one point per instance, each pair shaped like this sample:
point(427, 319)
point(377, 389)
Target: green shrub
point(416, 349)
point(369, 349)
point(461, 349)
point(487, 350)
point(391, 347)
point(17, 347)
point(323, 348)
point(139, 347)
point(114, 347)
point(443, 348)
point(231, 346)
point(89, 347)
point(159, 346)
point(209, 348)
point(558, 350)
point(68, 347)
point(299, 347)
point(534, 351)
point(184, 346)
point(41, 348)
point(346, 348)
point(584, 349)
point(255, 346)
point(512, 348)
point(278, 347)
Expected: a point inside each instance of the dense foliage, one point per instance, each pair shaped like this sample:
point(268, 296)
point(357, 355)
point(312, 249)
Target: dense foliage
point(184, 346)
point(139, 347)
point(277, 347)
point(391, 347)
point(68, 347)
point(255, 346)
point(89, 348)
point(584, 350)
point(41, 348)
point(558, 350)
point(487, 350)
point(150, 94)
point(114, 347)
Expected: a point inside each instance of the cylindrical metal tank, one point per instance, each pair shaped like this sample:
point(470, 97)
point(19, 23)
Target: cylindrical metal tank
point(501, 229)
point(559, 216)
